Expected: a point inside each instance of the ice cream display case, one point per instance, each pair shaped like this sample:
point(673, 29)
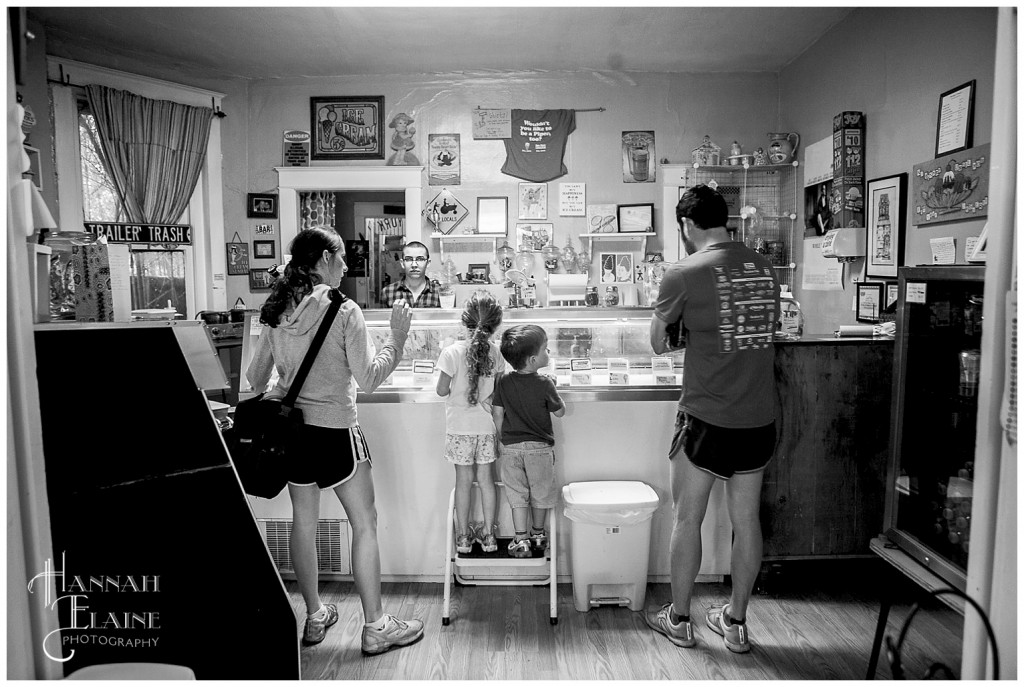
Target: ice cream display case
point(621, 335)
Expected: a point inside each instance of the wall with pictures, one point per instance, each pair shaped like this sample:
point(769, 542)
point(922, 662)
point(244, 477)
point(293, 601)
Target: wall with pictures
point(892, 65)
point(679, 108)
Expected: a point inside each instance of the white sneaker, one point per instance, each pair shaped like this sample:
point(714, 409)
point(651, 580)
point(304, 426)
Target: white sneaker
point(395, 633)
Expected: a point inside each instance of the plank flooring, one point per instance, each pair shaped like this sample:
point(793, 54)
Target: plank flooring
point(810, 624)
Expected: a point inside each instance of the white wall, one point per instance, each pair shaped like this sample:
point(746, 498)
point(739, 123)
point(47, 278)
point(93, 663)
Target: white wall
point(891, 64)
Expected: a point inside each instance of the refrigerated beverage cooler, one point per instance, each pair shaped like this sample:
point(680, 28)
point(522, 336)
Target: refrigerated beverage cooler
point(934, 414)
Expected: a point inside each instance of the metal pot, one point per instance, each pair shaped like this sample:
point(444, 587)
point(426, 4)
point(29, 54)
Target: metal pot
point(213, 316)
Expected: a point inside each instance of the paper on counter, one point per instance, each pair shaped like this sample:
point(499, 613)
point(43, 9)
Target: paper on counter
point(943, 250)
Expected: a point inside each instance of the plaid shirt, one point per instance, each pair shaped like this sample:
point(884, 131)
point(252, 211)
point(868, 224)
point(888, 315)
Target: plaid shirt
point(429, 297)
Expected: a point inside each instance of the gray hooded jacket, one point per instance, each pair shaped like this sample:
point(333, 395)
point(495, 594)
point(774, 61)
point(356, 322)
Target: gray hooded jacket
point(348, 357)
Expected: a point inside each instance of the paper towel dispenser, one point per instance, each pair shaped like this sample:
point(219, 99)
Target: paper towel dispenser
point(845, 243)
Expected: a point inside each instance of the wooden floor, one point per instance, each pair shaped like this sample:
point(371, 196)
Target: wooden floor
point(807, 623)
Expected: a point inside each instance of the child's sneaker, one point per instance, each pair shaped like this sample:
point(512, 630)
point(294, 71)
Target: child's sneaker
point(395, 633)
point(520, 548)
point(735, 636)
point(489, 543)
point(539, 541)
point(463, 543)
point(661, 621)
point(316, 628)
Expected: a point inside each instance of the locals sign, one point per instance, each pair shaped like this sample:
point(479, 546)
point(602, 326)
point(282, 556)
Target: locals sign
point(125, 232)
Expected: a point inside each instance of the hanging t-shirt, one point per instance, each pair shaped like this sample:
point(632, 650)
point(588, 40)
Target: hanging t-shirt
point(534, 152)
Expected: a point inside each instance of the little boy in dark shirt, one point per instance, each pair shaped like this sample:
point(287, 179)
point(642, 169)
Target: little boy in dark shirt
point(522, 406)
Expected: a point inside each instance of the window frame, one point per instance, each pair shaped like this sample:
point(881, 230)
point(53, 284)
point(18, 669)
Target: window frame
point(205, 267)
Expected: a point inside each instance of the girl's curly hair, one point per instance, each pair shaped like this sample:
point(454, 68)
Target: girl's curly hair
point(299, 278)
point(482, 316)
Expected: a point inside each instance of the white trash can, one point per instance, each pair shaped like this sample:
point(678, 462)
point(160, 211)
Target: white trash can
point(611, 540)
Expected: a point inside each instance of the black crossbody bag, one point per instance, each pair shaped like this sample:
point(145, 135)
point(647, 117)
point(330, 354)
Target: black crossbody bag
point(265, 429)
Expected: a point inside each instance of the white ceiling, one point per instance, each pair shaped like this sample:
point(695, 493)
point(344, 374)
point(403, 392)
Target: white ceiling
point(276, 42)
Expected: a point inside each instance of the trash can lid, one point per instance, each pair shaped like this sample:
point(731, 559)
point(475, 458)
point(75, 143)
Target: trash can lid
point(609, 495)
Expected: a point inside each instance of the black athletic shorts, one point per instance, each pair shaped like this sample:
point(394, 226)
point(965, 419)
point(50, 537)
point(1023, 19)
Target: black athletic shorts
point(722, 451)
point(326, 456)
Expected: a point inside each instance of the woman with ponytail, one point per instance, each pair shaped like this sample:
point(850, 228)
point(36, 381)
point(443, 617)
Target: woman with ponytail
point(468, 370)
point(330, 452)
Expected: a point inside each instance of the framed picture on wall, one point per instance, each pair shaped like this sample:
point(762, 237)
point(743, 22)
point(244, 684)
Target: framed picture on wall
point(955, 129)
point(262, 205)
point(887, 212)
point(492, 215)
point(479, 273)
point(534, 235)
point(260, 279)
point(892, 293)
point(263, 249)
point(533, 201)
point(870, 301)
point(636, 218)
point(238, 258)
point(347, 127)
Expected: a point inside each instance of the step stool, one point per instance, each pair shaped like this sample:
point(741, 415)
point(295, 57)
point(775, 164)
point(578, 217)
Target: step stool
point(454, 561)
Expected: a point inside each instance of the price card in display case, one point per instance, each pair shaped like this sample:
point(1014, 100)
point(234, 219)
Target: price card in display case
point(618, 371)
point(422, 372)
point(664, 373)
point(580, 372)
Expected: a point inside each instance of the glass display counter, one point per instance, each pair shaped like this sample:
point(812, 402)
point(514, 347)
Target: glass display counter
point(595, 333)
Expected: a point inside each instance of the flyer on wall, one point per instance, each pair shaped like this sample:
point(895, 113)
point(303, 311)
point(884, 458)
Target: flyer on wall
point(445, 166)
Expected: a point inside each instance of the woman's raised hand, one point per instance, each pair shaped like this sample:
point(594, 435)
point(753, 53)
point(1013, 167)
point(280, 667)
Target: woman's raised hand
point(401, 315)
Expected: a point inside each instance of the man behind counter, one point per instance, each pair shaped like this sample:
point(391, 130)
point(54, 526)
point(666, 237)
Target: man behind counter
point(414, 287)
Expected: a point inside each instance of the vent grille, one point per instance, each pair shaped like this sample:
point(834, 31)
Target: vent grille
point(329, 550)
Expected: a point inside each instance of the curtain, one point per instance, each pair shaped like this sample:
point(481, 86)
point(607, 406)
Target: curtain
point(318, 208)
point(153, 150)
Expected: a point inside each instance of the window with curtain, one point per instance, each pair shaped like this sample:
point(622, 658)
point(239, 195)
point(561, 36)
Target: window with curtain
point(157, 274)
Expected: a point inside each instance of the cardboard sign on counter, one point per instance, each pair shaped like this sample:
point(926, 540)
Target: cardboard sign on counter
point(580, 372)
point(422, 372)
point(618, 371)
point(663, 371)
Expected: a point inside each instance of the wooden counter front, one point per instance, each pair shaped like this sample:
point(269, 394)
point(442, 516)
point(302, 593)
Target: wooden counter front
point(824, 491)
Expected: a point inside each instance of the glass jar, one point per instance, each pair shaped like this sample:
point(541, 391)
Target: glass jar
point(505, 255)
point(611, 296)
point(550, 255)
point(591, 296)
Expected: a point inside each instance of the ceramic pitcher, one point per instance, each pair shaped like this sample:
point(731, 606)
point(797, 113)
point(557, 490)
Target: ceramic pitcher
point(782, 147)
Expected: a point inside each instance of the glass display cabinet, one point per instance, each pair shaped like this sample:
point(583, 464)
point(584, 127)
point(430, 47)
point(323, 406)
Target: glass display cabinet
point(595, 333)
point(934, 415)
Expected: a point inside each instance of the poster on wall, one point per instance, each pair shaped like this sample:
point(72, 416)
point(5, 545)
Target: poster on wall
point(295, 149)
point(572, 200)
point(952, 187)
point(638, 157)
point(616, 268)
point(445, 164)
point(357, 252)
point(492, 123)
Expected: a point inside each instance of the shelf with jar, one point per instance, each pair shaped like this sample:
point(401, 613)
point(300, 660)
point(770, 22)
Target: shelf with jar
point(762, 206)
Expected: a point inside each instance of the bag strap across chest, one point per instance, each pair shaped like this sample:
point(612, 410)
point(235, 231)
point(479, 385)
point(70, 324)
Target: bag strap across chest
point(337, 298)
